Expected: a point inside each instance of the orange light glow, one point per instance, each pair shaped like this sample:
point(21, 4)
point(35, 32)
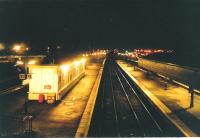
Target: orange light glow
point(19, 62)
point(32, 62)
point(2, 47)
point(20, 48)
point(76, 63)
point(65, 68)
point(83, 60)
point(17, 48)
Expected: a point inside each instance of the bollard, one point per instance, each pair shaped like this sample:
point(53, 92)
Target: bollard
point(165, 85)
point(191, 90)
point(192, 100)
point(28, 124)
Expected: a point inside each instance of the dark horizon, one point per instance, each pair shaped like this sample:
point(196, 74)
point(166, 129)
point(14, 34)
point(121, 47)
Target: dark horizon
point(86, 24)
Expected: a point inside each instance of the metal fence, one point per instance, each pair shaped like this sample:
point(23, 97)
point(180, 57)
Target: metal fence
point(15, 126)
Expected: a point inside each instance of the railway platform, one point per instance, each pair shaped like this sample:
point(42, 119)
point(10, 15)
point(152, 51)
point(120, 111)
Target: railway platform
point(121, 110)
point(174, 101)
point(62, 119)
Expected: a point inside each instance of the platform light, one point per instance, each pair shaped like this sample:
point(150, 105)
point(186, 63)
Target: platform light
point(65, 68)
point(32, 62)
point(76, 63)
point(83, 60)
point(19, 62)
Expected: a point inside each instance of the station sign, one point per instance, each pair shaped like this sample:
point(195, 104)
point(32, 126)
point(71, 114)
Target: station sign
point(24, 76)
point(29, 76)
point(47, 87)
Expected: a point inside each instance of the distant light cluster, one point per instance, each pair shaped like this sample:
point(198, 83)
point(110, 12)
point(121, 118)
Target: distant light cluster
point(96, 53)
point(128, 54)
point(29, 62)
point(136, 53)
point(146, 52)
point(17, 48)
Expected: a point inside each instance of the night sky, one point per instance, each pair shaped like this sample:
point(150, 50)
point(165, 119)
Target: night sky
point(83, 24)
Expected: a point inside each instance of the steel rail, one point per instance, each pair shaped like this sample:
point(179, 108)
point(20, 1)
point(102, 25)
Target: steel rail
point(12, 89)
point(154, 120)
point(114, 105)
point(129, 102)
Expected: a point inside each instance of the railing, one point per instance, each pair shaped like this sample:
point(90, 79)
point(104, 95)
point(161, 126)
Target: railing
point(15, 126)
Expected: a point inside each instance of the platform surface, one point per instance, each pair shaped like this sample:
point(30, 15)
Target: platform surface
point(62, 119)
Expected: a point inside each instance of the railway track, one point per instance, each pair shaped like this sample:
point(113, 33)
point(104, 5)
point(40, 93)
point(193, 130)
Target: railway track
point(9, 82)
point(122, 110)
point(12, 89)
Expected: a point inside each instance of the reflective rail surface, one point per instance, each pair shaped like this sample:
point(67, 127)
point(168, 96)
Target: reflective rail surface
point(122, 110)
point(12, 89)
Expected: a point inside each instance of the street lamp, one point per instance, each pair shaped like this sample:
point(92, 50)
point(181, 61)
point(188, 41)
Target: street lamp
point(2, 47)
point(19, 48)
point(16, 48)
